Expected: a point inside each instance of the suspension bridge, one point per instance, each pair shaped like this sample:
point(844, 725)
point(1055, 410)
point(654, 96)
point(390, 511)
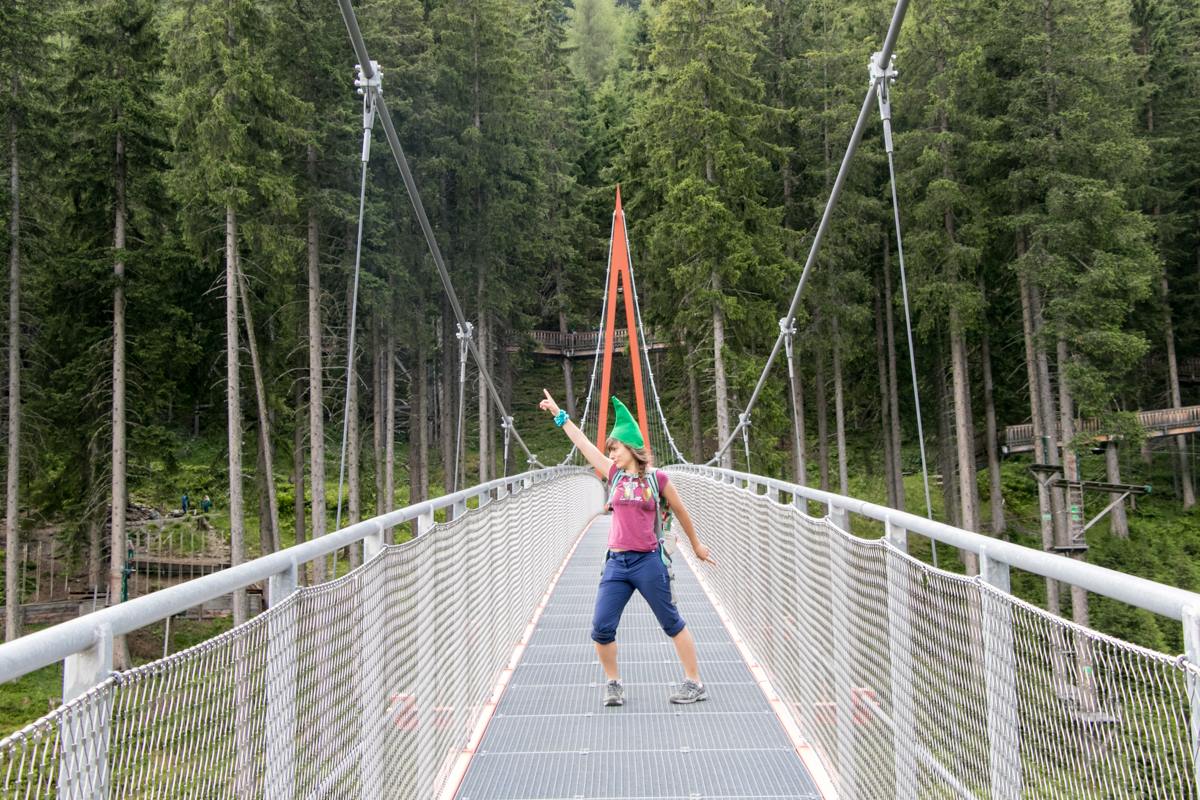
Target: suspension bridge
point(457, 664)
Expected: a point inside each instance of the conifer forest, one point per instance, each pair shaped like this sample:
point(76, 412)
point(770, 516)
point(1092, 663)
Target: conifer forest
point(181, 211)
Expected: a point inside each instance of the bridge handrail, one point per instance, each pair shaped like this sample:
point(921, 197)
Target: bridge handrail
point(1168, 601)
point(45, 647)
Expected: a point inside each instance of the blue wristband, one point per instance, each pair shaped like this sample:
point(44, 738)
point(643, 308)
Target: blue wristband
point(561, 418)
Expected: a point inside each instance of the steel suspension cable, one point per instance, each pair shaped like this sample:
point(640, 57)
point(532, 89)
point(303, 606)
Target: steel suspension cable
point(587, 403)
point(641, 332)
point(883, 57)
point(463, 336)
point(369, 88)
point(885, 112)
point(414, 196)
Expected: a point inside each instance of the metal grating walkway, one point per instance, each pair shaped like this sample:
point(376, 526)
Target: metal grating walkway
point(551, 738)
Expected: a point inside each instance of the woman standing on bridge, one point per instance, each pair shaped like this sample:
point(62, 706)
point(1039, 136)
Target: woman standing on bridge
point(636, 558)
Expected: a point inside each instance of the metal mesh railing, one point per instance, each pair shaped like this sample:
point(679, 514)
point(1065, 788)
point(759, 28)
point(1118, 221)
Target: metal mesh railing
point(911, 682)
point(366, 686)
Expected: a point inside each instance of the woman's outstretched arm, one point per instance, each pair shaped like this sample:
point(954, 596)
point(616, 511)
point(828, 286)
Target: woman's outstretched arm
point(685, 519)
point(592, 453)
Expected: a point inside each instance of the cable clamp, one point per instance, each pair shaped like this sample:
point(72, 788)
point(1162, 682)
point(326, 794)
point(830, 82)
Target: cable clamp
point(465, 332)
point(787, 327)
point(373, 84)
point(744, 420)
point(880, 74)
point(370, 89)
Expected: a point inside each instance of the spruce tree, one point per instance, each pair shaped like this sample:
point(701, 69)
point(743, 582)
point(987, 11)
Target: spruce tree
point(712, 235)
point(233, 121)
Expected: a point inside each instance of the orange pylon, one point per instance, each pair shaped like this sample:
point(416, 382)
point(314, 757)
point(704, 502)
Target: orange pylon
point(619, 270)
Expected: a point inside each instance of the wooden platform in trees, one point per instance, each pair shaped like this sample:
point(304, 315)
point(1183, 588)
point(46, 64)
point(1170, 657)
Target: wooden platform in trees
point(582, 343)
point(1158, 423)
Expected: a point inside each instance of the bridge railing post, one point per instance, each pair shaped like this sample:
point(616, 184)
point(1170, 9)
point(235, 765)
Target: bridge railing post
point(83, 763)
point(839, 516)
point(899, 618)
point(280, 729)
point(425, 523)
point(374, 696)
point(841, 585)
point(1191, 646)
point(458, 509)
point(1000, 679)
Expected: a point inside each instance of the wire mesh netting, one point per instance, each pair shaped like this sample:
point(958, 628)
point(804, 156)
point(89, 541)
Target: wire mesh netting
point(917, 683)
point(366, 686)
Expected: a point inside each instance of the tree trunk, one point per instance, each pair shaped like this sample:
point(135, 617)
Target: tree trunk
point(504, 372)
point(389, 423)
point(120, 495)
point(353, 455)
point(12, 589)
point(799, 438)
point(720, 383)
point(416, 424)
point(448, 407)
point(947, 465)
point(839, 411)
point(1185, 465)
point(1045, 504)
point(485, 400)
point(694, 408)
point(1119, 524)
point(964, 434)
point(237, 530)
point(316, 395)
point(269, 525)
point(568, 378)
point(377, 384)
point(1050, 423)
point(893, 376)
point(298, 454)
point(995, 496)
point(1079, 596)
point(822, 421)
point(95, 526)
point(889, 461)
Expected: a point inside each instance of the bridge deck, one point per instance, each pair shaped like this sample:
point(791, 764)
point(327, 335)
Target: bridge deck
point(551, 738)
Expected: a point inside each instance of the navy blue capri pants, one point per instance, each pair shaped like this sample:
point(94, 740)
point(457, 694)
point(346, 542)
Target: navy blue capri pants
point(623, 572)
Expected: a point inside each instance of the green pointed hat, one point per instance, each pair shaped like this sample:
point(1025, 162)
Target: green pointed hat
point(625, 427)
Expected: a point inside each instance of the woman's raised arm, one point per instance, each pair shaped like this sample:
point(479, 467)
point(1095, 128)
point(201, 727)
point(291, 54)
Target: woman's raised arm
point(592, 453)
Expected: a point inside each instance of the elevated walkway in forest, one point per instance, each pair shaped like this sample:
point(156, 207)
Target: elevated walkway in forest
point(574, 344)
point(1158, 423)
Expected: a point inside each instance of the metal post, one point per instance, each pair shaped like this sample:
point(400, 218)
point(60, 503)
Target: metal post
point(841, 584)
point(904, 728)
point(374, 688)
point(458, 509)
point(280, 730)
point(839, 516)
point(1000, 678)
point(83, 762)
point(373, 544)
point(425, 523)
point(1191, 646)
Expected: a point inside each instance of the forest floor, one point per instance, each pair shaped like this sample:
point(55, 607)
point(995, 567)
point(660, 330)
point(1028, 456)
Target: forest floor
point(1164, 541)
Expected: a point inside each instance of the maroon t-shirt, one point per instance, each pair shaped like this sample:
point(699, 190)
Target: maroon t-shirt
point(633, 510)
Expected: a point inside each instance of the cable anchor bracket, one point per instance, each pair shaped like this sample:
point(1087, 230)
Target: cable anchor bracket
point(370, 89)
point(882, 78)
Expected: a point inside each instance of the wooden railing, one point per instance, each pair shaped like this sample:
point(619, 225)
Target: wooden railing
point(584, 342)
point(1160, 422)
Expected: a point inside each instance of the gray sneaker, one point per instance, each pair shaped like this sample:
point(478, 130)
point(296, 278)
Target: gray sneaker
point(689, 692)
point(614, 693)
